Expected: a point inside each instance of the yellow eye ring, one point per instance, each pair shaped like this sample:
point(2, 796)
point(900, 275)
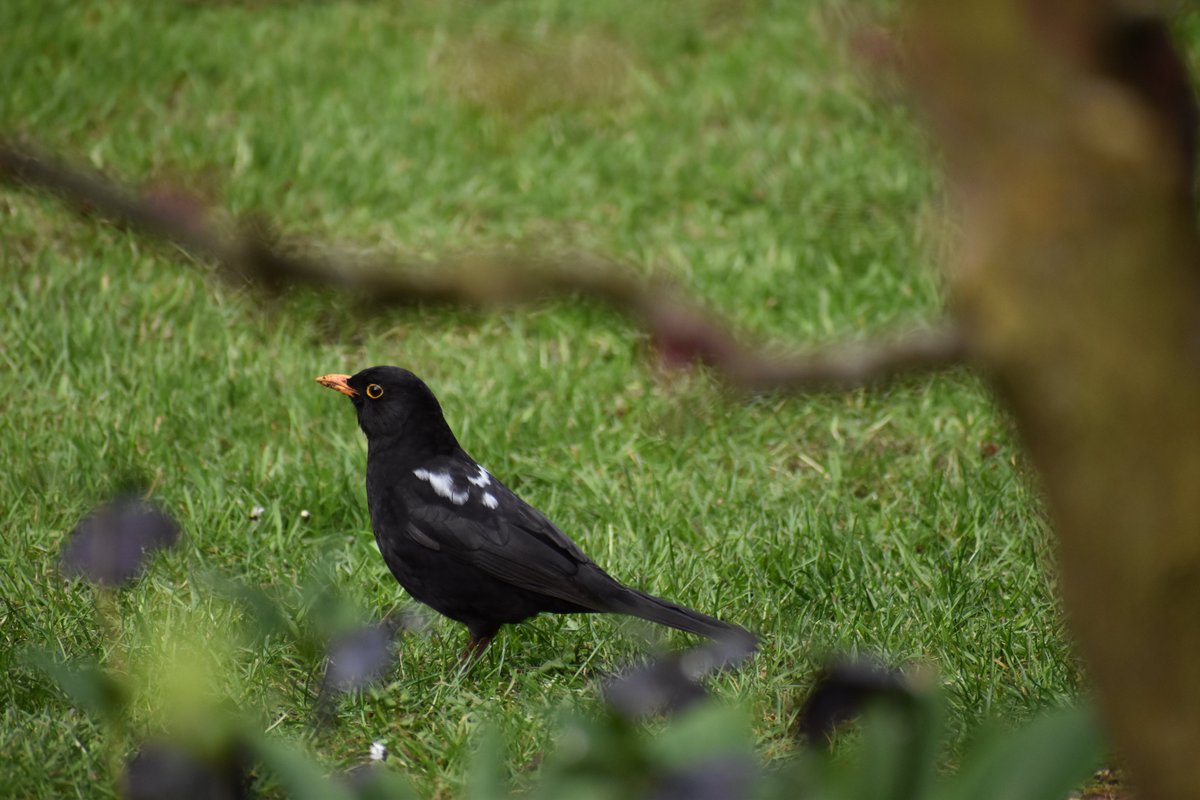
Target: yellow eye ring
point(374, 391)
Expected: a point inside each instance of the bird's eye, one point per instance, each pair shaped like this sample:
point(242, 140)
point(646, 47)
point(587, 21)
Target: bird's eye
point(374, 391)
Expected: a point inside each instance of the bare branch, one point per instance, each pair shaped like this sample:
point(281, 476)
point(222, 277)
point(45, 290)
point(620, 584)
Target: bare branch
point(681, 329)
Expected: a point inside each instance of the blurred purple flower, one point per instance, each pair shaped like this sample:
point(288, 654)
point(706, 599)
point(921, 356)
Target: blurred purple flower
point(111, 546)
point(163, 770)
point(843, 690)
point(730, 777)
point(360, 658)
point(672, 684)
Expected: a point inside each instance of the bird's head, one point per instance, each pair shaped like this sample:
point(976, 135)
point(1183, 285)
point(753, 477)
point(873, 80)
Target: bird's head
point(394, 403)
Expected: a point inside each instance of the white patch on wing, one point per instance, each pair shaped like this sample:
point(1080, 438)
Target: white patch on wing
point(443, 484)
point(490, 500)
point(482, 479)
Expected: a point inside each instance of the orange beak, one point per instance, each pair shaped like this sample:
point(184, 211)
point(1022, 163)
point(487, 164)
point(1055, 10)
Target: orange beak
point(338, 383)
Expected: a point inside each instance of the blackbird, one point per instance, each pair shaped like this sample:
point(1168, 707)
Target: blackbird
point(460, 542)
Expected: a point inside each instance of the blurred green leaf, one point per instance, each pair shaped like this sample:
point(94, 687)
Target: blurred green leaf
point(901, 743)
point(87, 684)
point(1043, 761)
point(486, 779)
point(707, 730)
point(267, 614)
point(377, 782)
point(296, 772)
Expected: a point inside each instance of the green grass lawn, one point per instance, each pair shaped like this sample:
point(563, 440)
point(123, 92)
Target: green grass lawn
point(733, 144)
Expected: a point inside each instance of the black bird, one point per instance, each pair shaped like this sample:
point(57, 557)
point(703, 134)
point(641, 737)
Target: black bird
point(459, 541)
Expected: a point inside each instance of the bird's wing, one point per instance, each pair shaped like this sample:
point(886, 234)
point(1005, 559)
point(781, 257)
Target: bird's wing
point(512, 542)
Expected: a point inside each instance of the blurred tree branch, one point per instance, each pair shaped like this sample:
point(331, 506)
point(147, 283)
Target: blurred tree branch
point(1068, 133)
point(681, 329)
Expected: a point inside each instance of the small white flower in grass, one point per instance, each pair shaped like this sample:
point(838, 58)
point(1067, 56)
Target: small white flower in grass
point(379, 750)
point(257, 512)
point(304, 514)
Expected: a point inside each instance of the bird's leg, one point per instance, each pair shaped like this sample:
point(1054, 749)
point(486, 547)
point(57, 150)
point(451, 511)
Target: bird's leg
point(475, 647)
point(480, 638)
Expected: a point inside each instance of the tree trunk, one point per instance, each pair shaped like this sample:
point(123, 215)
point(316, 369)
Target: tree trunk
point(1078, 283)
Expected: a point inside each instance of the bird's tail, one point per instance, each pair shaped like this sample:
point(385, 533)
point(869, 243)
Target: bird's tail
point(636, 603)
